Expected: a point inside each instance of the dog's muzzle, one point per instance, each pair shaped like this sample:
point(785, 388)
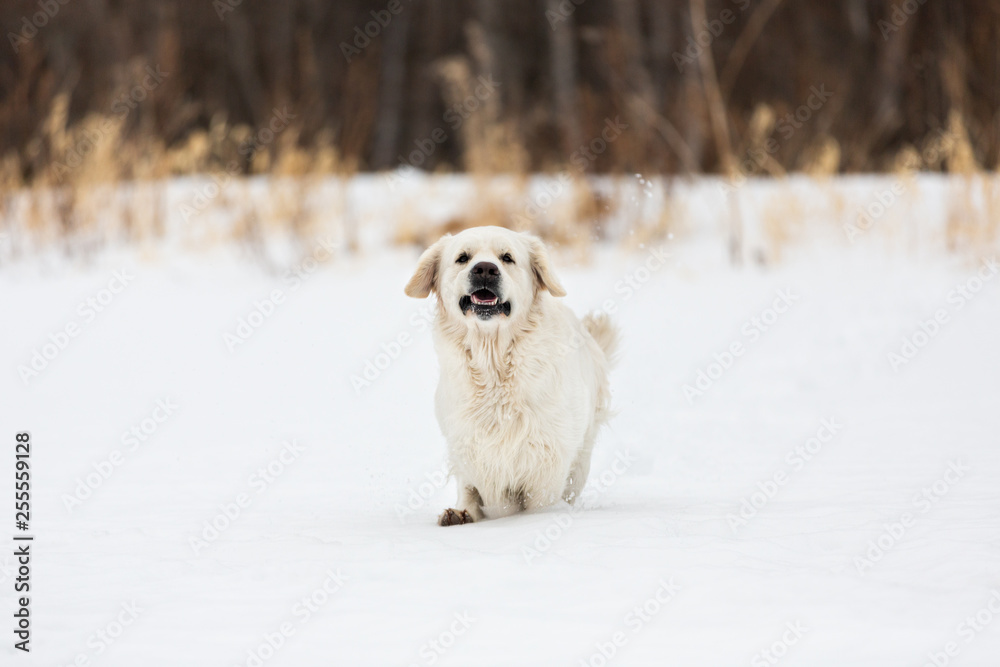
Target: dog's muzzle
point(485, 297)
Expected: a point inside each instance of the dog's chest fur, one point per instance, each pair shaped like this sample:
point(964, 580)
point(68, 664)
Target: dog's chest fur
point(505, 430)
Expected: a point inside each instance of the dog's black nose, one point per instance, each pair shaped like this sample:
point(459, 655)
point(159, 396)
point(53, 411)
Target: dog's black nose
point(485, 269)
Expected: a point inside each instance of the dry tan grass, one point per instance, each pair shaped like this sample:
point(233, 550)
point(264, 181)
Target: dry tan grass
point(90, 180)
point(491, 144)
point(81, 171)
point(973, 205)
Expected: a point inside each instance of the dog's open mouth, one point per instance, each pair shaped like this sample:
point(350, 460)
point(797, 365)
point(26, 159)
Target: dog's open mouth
point(485, 303)
point(484, 297)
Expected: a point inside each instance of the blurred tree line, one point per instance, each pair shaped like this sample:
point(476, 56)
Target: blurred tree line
point(762, 86)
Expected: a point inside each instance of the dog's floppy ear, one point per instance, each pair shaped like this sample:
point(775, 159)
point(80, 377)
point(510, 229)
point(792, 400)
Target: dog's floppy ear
point(540, 267)
point(426, 276)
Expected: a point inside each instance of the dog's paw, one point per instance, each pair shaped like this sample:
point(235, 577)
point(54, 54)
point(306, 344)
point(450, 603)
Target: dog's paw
point(454, 518)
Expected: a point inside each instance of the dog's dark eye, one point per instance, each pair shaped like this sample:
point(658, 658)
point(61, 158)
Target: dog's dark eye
point(462, 259)
point(507, 259)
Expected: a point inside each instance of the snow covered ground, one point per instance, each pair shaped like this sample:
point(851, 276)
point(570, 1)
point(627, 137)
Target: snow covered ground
point(232, 468)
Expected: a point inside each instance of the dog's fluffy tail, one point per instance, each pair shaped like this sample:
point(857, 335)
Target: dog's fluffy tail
point(605, 333)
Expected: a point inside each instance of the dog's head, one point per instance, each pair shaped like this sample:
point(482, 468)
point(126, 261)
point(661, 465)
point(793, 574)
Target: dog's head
point(485, 275)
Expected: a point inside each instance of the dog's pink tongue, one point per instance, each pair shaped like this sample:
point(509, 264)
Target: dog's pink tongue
point(483, 297)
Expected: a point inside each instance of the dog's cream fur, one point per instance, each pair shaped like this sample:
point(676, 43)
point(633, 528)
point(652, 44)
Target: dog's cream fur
point(521, 396)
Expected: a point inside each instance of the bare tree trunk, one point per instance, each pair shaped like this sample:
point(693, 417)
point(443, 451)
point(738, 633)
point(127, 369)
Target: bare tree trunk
point(391, 89)
point(720, 131)
point(741, 49)
point(278, 54)
point(889, 72)
point(691, 101)
point(661, 48)
point(639, 97)
point(241, 54)
point(562, 68)
point(485, 47)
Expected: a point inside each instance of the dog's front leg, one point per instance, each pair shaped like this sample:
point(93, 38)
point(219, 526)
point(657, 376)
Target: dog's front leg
point(545, 494)
point(470, 507)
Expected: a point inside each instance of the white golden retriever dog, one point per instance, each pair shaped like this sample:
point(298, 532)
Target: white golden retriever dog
point(524, 383)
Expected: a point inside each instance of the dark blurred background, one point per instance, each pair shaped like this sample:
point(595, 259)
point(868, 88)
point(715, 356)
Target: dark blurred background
point(497, 86)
